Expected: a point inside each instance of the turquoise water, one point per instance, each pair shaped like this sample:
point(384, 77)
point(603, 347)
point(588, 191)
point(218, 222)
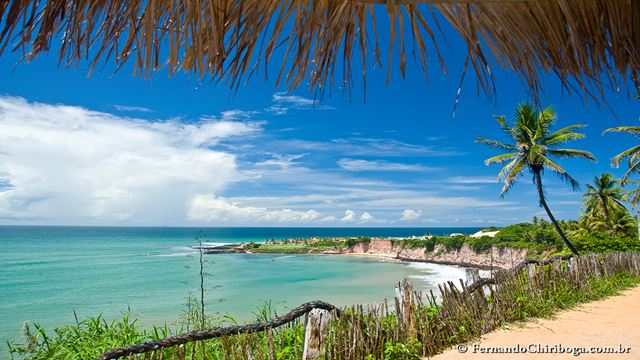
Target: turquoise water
point(47, 272)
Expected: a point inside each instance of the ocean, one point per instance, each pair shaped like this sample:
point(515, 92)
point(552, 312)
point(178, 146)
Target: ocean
point(48, 272)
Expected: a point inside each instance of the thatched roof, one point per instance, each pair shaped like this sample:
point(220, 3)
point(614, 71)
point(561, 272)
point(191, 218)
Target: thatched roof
point(588, 44)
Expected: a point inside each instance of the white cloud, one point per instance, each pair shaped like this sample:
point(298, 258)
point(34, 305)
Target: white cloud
point(368, 147)
point(67, 164)
point(132, 108)
point(365, 217)
point(277, 110)
point(349, 216)
point(299, 101)
point(282, 103)
point(215, 209)
point(280, 161)
point(379, 165)
point(473, 180)
point(409, 215)
point(237, 114)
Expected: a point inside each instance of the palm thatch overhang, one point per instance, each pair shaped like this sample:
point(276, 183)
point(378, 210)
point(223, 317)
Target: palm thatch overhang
point(588, 44)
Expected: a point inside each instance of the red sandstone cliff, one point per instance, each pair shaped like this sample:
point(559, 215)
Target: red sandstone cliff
point(466, 256)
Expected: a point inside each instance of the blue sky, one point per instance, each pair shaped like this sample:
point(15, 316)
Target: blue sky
point(114, 149)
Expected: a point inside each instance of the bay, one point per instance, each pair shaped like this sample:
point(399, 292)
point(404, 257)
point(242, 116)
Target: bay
point(48, 272)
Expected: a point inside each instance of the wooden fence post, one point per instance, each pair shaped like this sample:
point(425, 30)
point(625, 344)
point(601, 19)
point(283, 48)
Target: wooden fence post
point(472, 275)
point(405, 305)
point(315, 333)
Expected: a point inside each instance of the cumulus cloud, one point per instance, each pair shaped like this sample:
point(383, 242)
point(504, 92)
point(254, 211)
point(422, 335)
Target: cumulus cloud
point(216, 209)
point(409, 215)
point(378, 165)
point(67, 164)
point(349, 216)
point(365, 217)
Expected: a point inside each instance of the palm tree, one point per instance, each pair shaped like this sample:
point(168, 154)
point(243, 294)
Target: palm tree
point(532, 149)
point(603, 197)
point(632, 154)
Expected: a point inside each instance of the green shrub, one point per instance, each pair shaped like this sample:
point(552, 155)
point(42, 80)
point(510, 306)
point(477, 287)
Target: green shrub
point(452, 243)
point(409, 350)
point(490, 228)
point(357, 240)
point(481, 244)
point(600, 242)
point(534, 236)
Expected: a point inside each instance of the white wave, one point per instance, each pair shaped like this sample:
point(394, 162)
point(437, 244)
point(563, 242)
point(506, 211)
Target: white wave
point(216, 243)
point(438, 274)
point(283, 257)
point(178, 251)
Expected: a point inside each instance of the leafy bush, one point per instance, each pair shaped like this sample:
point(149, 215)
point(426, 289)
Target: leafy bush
point(402, 351)
point(357, 240)
point(490, 228)
point(327, 242)
point(537, 236)
point(600, 242)
point(452, 243)
point(481, 244)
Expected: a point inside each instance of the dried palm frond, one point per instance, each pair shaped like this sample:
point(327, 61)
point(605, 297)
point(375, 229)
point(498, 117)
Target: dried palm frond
point(587, 44)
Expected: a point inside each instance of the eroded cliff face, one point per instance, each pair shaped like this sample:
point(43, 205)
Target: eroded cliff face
point(466, 256)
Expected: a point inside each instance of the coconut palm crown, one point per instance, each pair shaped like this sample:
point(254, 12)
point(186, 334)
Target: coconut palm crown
point(603, 197)
point(632, 154)
point(532, 148)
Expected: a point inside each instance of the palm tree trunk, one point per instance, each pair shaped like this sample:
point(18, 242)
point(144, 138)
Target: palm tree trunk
point(605, 209)
point(638, 223)
point(543, 202)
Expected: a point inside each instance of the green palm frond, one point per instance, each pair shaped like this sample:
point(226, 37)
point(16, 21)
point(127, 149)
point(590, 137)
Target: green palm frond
point(565, 130)
point(496, 144)
point(501, 158)
point(512, 177)
point(634, 130)
point(545, 118)
point(633, 197)
point(562, 173)
point(572, 153)
point(507, 168)
point(502, 122)
point(615, 161)
point(564, 135)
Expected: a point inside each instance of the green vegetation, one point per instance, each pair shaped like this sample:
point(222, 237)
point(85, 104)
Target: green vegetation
point(303, 246)
point(409, 350)
point(454, 319)
point(90, 337)
point(533, 147)
point(357, 240)
point(632, 154)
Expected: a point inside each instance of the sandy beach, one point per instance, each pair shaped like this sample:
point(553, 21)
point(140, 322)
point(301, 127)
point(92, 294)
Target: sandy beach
point(610, 323)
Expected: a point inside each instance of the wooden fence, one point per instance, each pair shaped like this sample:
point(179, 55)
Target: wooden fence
point(431, 323)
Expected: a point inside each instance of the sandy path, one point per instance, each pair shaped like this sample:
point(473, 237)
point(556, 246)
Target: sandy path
point(611, 322)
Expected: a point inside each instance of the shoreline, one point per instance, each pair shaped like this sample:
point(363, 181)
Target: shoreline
point(464, 255)
point(412, 260)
